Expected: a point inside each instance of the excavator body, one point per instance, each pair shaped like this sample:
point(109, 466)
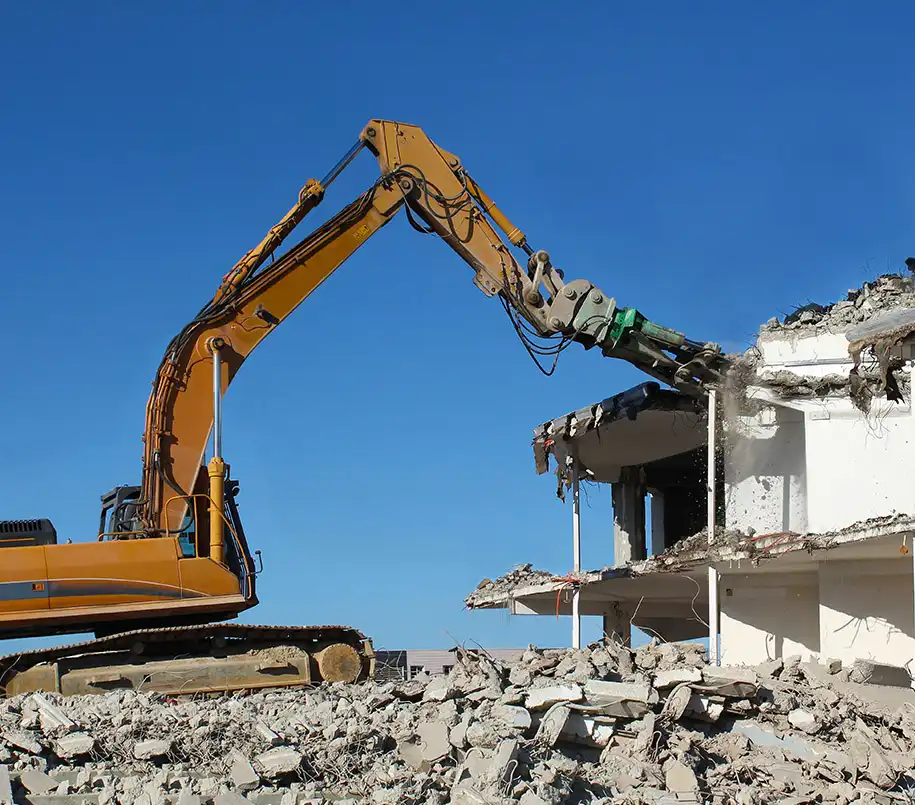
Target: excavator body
point(115, 584)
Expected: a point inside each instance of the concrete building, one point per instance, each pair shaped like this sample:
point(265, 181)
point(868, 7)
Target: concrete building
point(801, 543)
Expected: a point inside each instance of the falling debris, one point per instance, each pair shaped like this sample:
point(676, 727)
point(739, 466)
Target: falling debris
point(597, 725)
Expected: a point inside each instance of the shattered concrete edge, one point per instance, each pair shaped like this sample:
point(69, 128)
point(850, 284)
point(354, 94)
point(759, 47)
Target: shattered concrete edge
point(688, 554)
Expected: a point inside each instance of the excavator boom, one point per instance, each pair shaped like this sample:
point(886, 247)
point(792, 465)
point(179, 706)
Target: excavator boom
point(441, 199)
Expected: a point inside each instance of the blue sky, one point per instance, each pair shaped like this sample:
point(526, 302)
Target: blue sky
point(713, 164)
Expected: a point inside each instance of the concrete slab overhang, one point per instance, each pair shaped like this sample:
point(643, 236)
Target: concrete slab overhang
point(635, 427)
point(672, 589)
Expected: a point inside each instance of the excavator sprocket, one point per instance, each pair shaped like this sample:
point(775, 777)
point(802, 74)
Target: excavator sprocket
point(184, 660)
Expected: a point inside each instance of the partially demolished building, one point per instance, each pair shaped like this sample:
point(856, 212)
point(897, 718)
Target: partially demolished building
point(804, 545)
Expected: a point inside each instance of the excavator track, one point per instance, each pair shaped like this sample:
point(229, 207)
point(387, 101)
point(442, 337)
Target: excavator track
point(186, 660)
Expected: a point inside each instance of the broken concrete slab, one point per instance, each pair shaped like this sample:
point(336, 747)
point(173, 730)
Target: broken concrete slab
point(875, 673)
point(439, 689)
point(37, 782)
point(676, 676)
point(23, 740)
point(51, 717)
point(411, 752)
point(278, 762)
point(148, 750)
point(502, 766)
point(701, 708)
point(242, 773)
point(433, 736)
point(622, 699)
point(739, 683)
point(804, 720)
point(73, 745)
point(680, 779)
point(511, 716)
point(542, 698)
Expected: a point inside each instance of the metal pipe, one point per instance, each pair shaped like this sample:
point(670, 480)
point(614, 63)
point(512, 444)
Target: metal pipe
point(217, 401)
point(713, 627)
point(216, 469)
point(576, 554)
point(337, 169)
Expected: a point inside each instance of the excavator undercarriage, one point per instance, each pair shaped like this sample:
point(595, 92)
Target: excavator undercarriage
point(186, 660)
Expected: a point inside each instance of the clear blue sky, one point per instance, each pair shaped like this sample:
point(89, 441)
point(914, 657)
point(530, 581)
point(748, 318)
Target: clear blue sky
point(711, 163)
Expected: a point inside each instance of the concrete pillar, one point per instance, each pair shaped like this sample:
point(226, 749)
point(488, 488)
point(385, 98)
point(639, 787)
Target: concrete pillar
point(628, 518)
point(618, 622)
point(576, 554)
point(657, 521)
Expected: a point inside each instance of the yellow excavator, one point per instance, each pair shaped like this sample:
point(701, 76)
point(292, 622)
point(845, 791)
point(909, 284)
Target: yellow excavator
point(171, 559)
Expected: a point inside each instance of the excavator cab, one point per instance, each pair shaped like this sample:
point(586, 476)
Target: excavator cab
point(119, 511)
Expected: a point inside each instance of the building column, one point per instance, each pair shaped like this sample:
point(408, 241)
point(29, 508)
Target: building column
point(576, 554)
point(628, 518)
point(618, 623)
point(714, 648)
point(657, 521)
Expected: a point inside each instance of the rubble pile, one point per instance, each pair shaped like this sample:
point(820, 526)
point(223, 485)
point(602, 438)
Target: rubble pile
point(886, 292)
point(597, 725)
point(520, 576)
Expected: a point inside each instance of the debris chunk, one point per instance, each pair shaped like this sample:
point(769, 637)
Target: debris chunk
point(147, 750)
point(37, 782)
point(74, 744)
point(542, 698)
point(278, 762)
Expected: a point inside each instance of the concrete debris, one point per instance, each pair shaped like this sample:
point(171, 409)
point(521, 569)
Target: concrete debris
point(521, 576)
point(596, 725)
point(887, 292)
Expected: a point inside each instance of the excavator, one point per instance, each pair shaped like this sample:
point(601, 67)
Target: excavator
point(171, 562)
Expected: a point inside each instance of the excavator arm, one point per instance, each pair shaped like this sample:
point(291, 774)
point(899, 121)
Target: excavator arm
point(441, 198)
